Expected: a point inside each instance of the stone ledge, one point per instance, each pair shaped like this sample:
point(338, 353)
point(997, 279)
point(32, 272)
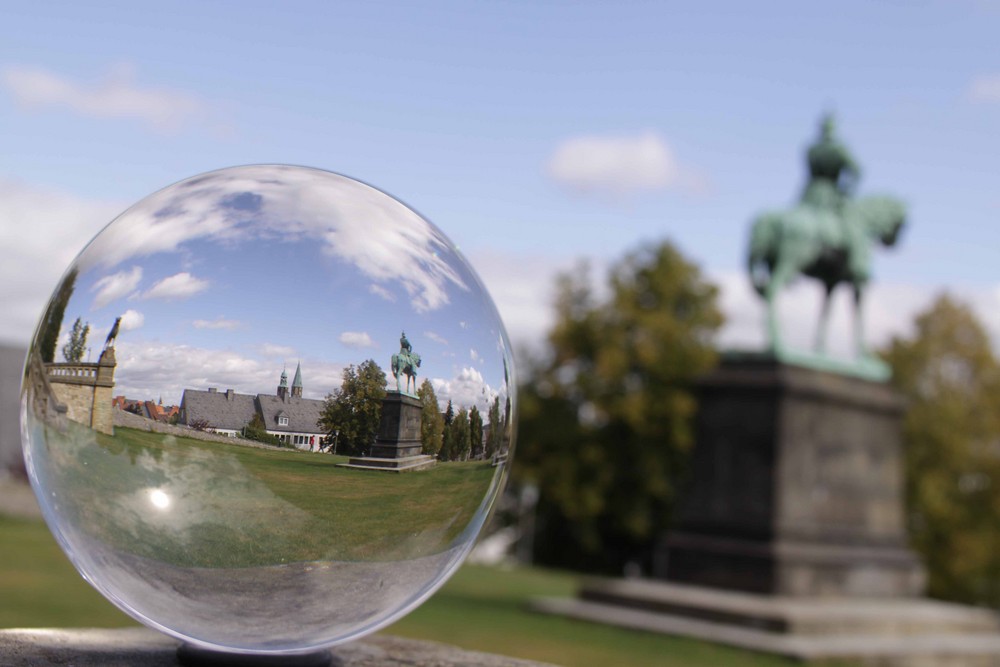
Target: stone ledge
point(141, 647)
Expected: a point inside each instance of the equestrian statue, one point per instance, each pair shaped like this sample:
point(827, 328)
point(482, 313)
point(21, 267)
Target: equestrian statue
point(828, 235)
point(405, 363)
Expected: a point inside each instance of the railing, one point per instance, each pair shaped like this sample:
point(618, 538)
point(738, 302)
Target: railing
point(81, 371)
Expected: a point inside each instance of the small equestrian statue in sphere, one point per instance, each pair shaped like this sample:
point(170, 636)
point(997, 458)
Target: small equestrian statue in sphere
point(405, 363)
point(827, 236)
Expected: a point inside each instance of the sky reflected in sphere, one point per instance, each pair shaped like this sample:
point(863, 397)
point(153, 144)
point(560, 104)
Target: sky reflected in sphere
point(187, 451)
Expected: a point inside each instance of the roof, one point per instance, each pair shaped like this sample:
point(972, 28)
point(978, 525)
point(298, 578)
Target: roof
point(297, 382)
point(218, 409)
point(303, 413)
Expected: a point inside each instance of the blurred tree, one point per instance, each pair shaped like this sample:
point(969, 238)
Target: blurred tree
point(431, 420)
point(950, 377)
point(74, 350)
point(475, 433)
point(48, 333)
point(354, 410)
point(606, 421)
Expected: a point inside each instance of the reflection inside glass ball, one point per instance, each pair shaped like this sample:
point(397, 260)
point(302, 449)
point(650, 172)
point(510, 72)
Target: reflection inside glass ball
point(268, 409)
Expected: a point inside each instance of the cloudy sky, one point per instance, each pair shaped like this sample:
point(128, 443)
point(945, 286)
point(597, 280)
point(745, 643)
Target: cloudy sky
point(533, 134)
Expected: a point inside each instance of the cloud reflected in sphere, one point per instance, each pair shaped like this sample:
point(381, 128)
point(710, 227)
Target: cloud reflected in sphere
point(268, 409)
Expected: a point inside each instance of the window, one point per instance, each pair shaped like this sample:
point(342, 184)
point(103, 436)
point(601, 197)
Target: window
point(282, 421)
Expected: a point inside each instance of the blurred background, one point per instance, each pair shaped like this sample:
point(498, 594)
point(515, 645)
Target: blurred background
point(586, 158)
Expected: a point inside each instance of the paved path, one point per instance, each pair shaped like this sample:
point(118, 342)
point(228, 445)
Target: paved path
point(17, 499)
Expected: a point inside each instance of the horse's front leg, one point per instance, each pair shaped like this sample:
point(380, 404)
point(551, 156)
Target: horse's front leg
point(824, 319)
point(859, 329)
point(781, 274)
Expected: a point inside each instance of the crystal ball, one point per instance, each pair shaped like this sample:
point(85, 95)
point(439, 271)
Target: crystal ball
point(268, 409)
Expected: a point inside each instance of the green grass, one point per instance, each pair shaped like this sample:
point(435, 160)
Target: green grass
point(238, 506)
point(480, 609)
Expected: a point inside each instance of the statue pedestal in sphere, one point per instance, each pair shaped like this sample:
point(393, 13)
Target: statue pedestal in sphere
point(397, 447)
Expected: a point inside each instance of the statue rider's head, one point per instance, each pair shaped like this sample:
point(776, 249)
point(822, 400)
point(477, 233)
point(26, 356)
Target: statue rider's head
point(827, 127)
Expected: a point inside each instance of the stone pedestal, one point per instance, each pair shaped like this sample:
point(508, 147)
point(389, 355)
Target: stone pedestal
point(397, 447)
point(790, 536)
point(795, 489)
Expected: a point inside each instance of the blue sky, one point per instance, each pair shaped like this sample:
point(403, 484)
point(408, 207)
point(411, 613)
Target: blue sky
point(533, 134)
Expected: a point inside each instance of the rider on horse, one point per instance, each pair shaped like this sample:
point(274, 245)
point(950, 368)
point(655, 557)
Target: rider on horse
point(833, 173)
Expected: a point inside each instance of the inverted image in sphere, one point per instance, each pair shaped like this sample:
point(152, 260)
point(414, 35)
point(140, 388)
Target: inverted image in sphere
point(268, 409)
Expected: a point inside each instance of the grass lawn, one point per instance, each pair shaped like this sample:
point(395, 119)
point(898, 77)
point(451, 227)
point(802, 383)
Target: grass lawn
point(479, 608)
point(239, 506)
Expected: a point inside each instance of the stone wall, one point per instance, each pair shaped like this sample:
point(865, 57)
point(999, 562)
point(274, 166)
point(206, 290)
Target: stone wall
point(85, 389)
point(11, 367)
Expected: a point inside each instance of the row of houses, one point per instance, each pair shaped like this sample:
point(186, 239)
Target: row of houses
point(148, 409)
point(285, 415)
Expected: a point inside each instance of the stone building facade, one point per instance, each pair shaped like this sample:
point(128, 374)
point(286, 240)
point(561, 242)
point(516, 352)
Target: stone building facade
point(85, 389)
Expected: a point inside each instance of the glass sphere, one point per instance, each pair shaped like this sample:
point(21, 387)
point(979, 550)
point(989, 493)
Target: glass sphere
point(234, 404)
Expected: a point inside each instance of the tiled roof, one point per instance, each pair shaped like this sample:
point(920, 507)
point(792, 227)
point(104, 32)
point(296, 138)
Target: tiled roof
point(302, 413)
point(227, 410)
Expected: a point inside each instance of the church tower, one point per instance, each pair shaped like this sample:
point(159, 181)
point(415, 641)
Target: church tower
point(283, 385)
point(297, 382)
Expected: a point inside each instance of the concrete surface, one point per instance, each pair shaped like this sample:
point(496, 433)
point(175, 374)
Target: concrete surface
point(141, 647)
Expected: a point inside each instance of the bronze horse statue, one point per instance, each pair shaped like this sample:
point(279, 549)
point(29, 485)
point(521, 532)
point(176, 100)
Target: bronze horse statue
point(406, 363)
point(830, 245)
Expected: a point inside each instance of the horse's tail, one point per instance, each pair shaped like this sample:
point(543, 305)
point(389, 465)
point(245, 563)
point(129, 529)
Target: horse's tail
point(763, 240)
point(394, 364)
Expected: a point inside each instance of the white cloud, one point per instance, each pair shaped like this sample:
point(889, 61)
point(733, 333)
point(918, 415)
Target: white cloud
point(276, 351)
point(351, 222)
point(356, 339)
point(115, 286)
point(985, 88)
point(378, 290)
point(178, 286)
point(132, 320)
point(435, 337)
point(475, 356)
point(466, 389)
point(116, 95)
point(619, 165)
point(218, 323)
point(41, 231)
point(151, 369)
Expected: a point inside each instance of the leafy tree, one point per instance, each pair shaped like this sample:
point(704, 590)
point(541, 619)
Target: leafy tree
point(475, 433)
point(256, 429)
point(53, 317)
point(950, 378)
point(457, 442)
point(431, 420)
point(606, 419)
point(495, 434)
point(354, 410)
point(449, 414)
point(74, 350)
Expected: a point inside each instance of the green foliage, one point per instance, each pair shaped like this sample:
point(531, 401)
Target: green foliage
point(950, 377)
point(495, 435)
point(606, 420)
point(475, 433)
point(53, 317)
point(351, 414)
point(457, 442)
point(74, 350)
point(431, 420)
point(256, 429)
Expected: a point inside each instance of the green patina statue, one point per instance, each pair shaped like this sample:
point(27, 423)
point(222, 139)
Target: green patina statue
point(828, 235)
point(405, 363)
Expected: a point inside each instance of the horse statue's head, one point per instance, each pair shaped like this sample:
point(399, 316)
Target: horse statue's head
point(883, 217)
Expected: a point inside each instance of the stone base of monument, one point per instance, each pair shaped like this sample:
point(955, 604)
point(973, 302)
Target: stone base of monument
point(141, 647)
point(888, 632)
point(397, 447)
point(790, 537)
point(403, 464)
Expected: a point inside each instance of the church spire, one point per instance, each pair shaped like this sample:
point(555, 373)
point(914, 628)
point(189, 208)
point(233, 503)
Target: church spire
point(283, 385)
point(297, 382)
